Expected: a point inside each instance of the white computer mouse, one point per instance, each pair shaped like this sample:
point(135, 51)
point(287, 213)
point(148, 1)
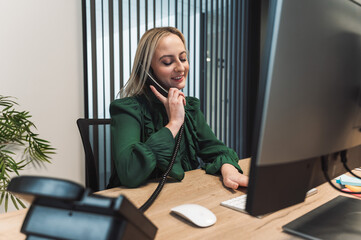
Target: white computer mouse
point(197, 214)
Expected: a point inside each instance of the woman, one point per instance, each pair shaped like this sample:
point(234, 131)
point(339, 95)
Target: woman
point(145, 123)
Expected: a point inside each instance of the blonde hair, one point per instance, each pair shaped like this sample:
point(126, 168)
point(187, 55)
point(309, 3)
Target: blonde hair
point(143, 57)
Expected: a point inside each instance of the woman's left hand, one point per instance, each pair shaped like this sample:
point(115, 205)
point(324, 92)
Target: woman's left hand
point(232, 178)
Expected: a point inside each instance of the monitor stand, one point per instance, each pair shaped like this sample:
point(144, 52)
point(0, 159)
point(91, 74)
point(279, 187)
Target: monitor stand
point(340, 218)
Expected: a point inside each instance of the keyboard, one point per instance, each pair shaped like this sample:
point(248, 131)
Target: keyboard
point(239, 203)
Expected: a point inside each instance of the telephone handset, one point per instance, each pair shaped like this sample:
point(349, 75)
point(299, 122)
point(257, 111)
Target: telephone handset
point(154, 83)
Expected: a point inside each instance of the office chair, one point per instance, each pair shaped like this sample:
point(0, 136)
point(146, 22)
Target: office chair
point(95, 135)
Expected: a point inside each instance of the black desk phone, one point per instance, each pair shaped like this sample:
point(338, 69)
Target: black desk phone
point(62, 209)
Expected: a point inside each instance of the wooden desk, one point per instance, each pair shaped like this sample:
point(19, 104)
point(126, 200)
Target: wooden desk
point(206, 190)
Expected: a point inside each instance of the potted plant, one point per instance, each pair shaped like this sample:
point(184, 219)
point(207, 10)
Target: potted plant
point(19, 146)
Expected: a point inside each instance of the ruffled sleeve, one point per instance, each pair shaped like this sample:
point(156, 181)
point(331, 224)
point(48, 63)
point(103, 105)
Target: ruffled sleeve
point(213, 152)
point(135, 159)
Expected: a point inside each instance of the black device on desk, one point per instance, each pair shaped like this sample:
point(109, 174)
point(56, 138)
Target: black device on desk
point(62, 209)
point(309, 106)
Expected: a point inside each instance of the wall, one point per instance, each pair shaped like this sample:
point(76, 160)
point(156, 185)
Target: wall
point(41, 64)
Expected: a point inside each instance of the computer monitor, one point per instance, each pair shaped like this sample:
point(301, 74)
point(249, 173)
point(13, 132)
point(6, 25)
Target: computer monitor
point(309, 101)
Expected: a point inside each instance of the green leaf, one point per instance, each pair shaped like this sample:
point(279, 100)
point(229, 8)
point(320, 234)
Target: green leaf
point(16, 170)
point(11, 161)
point(7, 176)
point(2, 196)
point(2, 174)
point(41, 140)
point(6, 201)
point(21, 203)
point(8, 152)
point(14, 202)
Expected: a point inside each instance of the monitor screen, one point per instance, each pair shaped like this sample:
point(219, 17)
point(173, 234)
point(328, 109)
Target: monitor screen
point(309, 101)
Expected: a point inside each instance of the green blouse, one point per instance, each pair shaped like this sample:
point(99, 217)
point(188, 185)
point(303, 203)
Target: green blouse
point(142, 147)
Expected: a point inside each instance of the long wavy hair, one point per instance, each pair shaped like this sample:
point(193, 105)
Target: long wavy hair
point(143, 58)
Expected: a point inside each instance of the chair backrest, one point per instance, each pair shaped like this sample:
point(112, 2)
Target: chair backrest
point(95, 135)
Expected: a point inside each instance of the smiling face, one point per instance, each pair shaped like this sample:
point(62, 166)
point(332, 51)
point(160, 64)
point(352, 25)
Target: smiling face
point(170, 63)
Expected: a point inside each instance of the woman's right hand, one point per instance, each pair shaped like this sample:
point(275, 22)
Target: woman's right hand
point(174, 105)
